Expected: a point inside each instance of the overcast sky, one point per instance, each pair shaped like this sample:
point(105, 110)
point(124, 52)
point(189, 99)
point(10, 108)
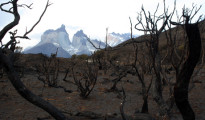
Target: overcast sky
point(93, 16)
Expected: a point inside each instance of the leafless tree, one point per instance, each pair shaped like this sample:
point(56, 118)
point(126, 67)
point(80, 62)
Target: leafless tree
point(7, 51)
point(84, 76)
point(101, 55)
point(186, 69)
point(118, 72)
point(185, 64)
point(151, 26)
point(140, 67)
point(48, 70)
point(99, 58)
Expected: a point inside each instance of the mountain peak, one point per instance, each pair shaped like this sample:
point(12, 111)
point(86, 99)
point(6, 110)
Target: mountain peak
point(62, 26)
point(80, 33)
point(61, 29)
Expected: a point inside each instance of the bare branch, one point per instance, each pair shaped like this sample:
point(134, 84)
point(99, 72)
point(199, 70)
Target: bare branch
point(27, 32)
point(163, 26)
point(24, 5)
point(187, 14)
point(14, 22)
point(155, 12)
point(130, 27)
point(106, 39)
point(196, 11)
point(1, 7)
point(98, 48)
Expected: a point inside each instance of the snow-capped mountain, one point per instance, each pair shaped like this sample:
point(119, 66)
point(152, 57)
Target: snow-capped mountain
point(114, 39)
point(81, 44)
point(50, 41)
point(59, 38)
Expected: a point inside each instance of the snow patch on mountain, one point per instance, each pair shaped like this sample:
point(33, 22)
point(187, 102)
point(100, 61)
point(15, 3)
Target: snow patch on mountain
point(114, 39)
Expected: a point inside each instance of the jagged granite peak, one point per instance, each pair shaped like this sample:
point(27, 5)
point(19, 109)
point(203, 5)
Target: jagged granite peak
point(80, 33)
point(81, 44)
point(51, 39)
point(58, 37)
point(79, 39)
point(61, 29)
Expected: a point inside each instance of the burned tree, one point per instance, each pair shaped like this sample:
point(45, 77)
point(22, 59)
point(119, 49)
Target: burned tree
point(184, 66)
point(140, 65)
point(84, 75)
point(184, 75)
point(183, 78)
point(99, 57)
point(7, 51)
point(48, 70)
point(152, 43)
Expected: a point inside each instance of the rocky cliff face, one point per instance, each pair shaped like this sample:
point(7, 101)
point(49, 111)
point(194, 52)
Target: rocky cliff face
point(50, 41)
point(79, 39)
point(59, 38)
point(82, 45)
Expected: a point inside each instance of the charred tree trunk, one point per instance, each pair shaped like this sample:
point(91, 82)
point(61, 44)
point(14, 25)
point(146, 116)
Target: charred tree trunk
point(116, 80)
point(25, 93)
point(145, 105)
point(183, 78)
point(145, 98)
